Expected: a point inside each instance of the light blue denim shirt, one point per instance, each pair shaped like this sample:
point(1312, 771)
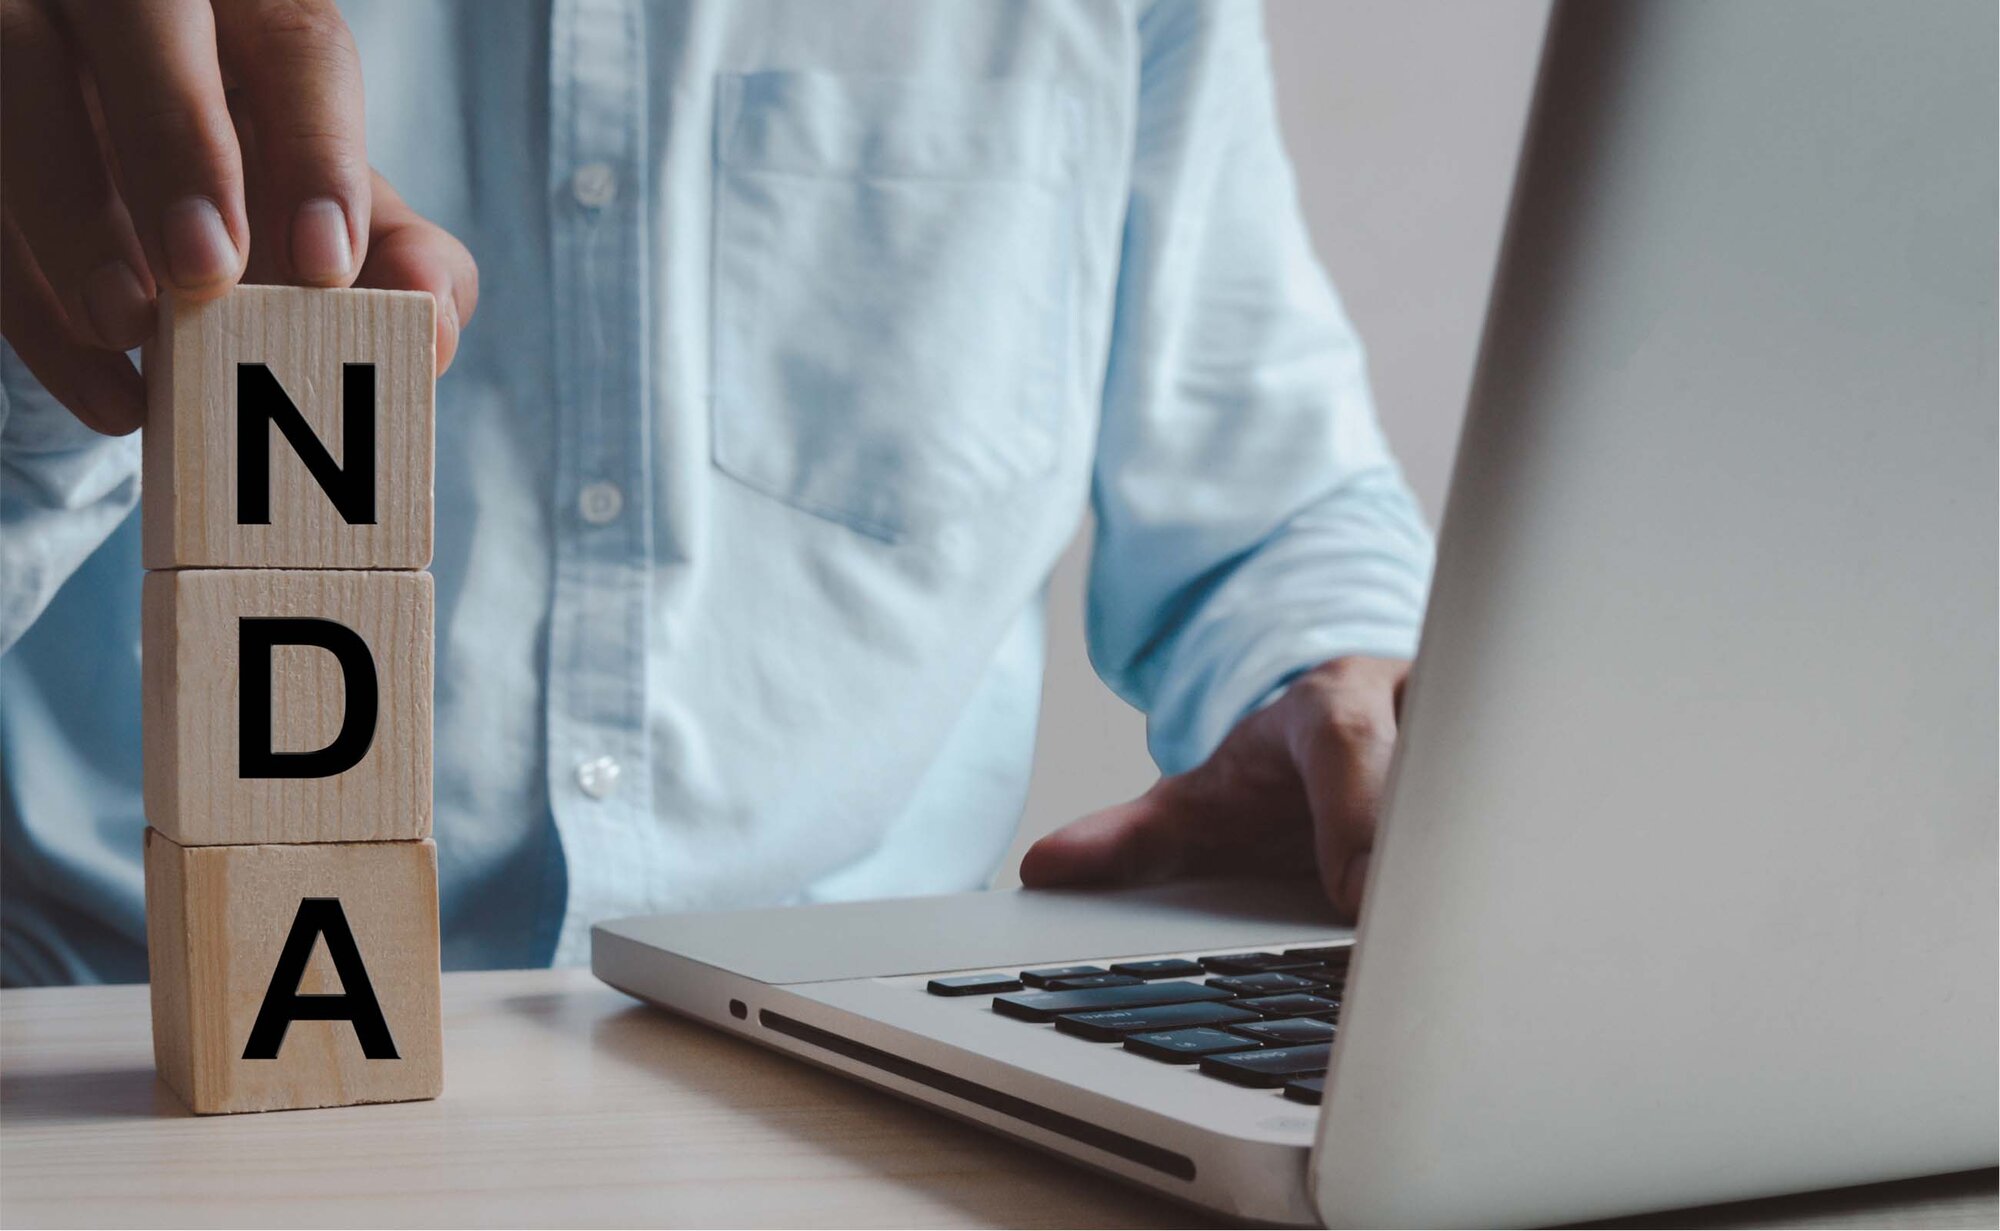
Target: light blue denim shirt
point(809, 330)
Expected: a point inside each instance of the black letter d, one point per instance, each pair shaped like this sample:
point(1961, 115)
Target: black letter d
point(257, 636)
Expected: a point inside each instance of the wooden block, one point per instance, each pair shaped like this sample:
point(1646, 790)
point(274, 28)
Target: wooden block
point(322, 761)
point(235, 933)
point(333, 363)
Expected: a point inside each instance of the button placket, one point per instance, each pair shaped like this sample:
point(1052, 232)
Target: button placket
point(599, 784)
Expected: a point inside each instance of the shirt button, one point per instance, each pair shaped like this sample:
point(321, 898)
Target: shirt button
point(600, 502)
point(594, 185)
point(597, 777)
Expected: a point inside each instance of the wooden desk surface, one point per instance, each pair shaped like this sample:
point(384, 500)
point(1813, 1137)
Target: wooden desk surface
point(568, 1104)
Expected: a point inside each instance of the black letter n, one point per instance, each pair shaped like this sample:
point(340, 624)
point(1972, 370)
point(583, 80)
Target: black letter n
point(262, 402)
point(355, 1001)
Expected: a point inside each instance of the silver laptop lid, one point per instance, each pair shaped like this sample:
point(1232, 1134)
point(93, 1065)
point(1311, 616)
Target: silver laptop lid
point(1688, 884)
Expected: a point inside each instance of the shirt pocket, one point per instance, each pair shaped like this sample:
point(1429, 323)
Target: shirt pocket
point(890, 311)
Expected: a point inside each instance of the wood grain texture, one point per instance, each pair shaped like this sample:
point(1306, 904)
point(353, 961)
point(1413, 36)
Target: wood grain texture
point(570, 1105)
point(188, 498)
point(217, 918)
point(195, 793)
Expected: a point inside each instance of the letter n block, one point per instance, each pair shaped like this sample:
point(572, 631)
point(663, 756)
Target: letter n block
point(290, 428)
point(294, 976)
point(287, 705)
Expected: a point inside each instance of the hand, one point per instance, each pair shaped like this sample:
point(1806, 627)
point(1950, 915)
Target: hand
point(171, 144)
point(1296, 783)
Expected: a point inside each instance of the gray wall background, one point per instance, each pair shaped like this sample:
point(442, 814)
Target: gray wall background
point(1403, 118)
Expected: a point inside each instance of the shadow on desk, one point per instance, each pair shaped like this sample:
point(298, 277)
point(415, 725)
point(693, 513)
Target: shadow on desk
point(84, 1095)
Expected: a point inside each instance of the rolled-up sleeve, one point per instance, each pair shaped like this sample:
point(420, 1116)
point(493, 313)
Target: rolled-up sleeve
point(1251, 521)
point(63, 490)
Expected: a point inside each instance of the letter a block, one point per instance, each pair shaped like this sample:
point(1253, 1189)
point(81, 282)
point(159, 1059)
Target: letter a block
point(290, 428)
point(294, 976)
point(287, 705)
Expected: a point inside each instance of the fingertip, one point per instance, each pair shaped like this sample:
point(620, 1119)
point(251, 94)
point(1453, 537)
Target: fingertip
point(1044, 865)
point(322, 244)
point(110, 396)
point(424, 259)
point(1349, 884)
point(1080, 853)
point(1120, 845)
point(447, 333)
point(202, 258)
point(116, 305)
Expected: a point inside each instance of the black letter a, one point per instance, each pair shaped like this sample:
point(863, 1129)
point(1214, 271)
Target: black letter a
point(256, 636)
point(262, 401)
point(355, 1002)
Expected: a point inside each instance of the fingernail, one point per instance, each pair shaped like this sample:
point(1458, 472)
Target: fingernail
point(116, 303)
point(199, 250)
point(448, 335)
point(321, 251)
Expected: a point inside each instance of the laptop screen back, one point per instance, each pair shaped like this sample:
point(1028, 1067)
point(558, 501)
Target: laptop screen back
point(1687, 889)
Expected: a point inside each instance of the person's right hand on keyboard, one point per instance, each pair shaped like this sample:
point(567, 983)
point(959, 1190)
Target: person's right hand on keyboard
point(171, 144)
point(1294, 787)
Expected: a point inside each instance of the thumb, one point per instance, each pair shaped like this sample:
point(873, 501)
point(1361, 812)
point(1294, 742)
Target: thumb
point(1130, 843)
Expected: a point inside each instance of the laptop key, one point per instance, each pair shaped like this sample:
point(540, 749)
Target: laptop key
point(1047, 1006)
point(1332, 975)
point(1268, 1067)
point(972, 985)
point(1078, 982)
point(1251, 963)
point(1332, 955)
point(1186, 1046)
point(1294, 1005)
point(1111, 1025)
point(1159, 968)
point(1287, 1031)
point(1306, 1090)
point(1040, 978)
point(1264, 983)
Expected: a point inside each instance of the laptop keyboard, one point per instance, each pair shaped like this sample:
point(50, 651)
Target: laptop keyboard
point(1262, 1020)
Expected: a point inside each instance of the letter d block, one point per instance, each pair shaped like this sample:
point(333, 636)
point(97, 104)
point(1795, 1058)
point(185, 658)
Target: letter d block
point(290, 428)
point(294, 976)
point(287, 706)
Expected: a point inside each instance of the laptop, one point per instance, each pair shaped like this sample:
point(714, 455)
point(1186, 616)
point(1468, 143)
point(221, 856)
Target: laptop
point(1686, 888)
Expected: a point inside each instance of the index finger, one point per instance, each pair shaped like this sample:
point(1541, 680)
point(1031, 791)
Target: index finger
point(160, 88)
point(300, 77)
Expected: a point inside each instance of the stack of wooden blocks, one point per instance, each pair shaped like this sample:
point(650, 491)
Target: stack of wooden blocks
point(291, 883)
